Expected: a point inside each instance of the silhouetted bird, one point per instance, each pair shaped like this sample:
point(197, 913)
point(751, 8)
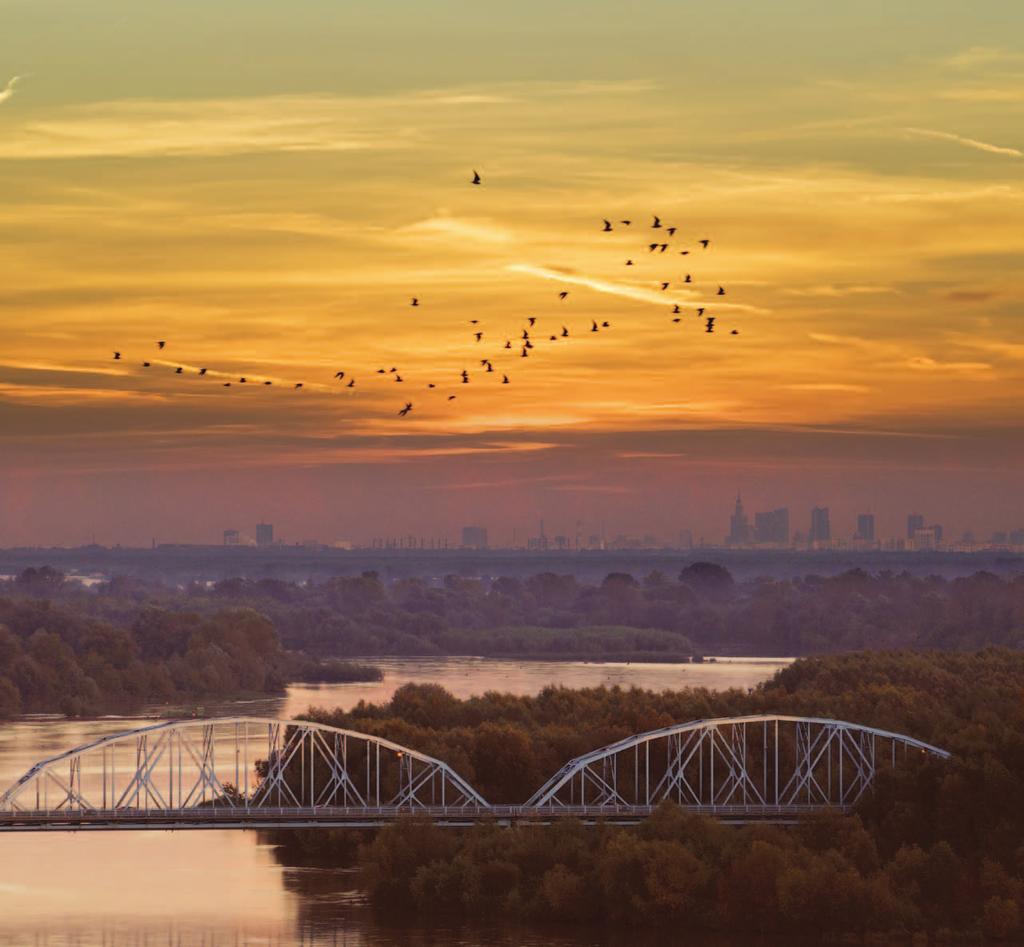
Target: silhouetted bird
point(381, 371)
point(179, 370)
point(227, 384)
point(504, 379)
point(657, 223)
point(524, 353)
point(684, 252)
point(662, 247)
point(268, 383)
point(625, 223)
point(465, 377)
point(565, 332)
point(607, 226)
point(677, 319)
point(474, 322)
point(430, 384)
point(351, 384)
point(392, 369)
point(202, 371)
point(145, 364)
point(700, 312)
point(451, 397)
point(526, 334)
point(593, 326)
point(664, 286)
point(478, 335)
point(553, 338)
point(651, 247)
point(704, 243)
point(490, 367)
point(675, 309)
point(710, 325)
point(671, 231)
point(117, 356)
point(161, 345)
point(606, 325)
point(629, 263)
point(721, 291)
point(735, 332)
point(563, 294)
point(476, 180)
point(527, 344)
point(532, 320)
point(415, 301)
point(398, 378)
point(688, 279)
point(508, 343)
point(339, 375)
point(405, 410)
point(241, 381)
point(298, 385)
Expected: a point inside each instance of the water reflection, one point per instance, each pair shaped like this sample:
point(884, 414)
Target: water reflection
point(213, 888)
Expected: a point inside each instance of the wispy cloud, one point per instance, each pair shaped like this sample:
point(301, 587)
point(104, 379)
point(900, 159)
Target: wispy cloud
point(7, 93)
point(625, 291)
point(975, 56)
point(826, 386)
point(966, 142)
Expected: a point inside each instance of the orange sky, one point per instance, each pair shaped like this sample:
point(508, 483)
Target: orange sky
point(227, 178)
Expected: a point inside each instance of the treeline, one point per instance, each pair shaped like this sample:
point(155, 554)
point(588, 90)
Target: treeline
point(699, 610)
point(55, 659)
point(938, 846)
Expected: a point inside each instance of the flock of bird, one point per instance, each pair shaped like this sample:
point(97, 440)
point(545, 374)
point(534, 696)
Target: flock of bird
point(524, 343)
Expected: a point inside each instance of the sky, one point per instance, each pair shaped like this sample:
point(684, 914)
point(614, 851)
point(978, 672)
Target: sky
point(265, 187)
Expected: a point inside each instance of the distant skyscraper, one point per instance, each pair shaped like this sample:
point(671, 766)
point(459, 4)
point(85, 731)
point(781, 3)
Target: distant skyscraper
point(264, 534)
point(474, 537)
point(821, 531)
point(866, 527)
point(739, 526)
point(915, 521)
point(231, 537)
point(772, 527)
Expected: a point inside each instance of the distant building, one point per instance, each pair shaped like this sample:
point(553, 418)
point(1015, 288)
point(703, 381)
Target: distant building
point(821, 531)
point(772, 527)
point(474, 537)
point(925, 538)
point(264, 534)
point(915, 521)
point(739, 526)
point(232, 537)
point(865, 528)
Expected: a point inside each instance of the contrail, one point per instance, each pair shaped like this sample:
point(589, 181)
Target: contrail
point(966, 142)
point(630, 292)
point(8, 90)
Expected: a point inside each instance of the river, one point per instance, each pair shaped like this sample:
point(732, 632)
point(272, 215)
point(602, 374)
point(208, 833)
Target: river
point(225, 888)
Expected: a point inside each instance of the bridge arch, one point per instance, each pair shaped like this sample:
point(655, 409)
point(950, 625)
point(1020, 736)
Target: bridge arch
point(763, 761)
point(240, 763)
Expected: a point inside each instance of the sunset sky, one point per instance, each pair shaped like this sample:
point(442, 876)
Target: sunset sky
point(265, 186)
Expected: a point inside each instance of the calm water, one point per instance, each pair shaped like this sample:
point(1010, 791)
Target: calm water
point(228, 888)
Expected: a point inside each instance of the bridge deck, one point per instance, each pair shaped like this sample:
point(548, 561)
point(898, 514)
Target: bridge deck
point(358, 817)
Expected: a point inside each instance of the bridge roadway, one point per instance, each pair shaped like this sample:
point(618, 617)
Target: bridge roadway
point(361, 817)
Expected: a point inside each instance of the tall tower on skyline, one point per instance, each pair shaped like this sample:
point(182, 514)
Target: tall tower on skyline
point(821, 530)
point(739, 526)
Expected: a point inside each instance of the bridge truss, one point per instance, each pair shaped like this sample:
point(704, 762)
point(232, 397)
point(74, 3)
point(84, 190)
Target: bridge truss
point(237, 763)
point(241, 772)
point(765, 762)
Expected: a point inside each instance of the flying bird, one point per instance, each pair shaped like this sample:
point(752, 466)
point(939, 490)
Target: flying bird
point(351, 384)
point(405, 410)
point(665, 286)
point(651, 247)
point(593, 326)
point(735, 332)
point(476, 180)
point(563, 294)
point(657, 222)
point(629, 263)
point(179, 370)
point(565, 332)
point(339, 375)
point(504, 379)
point(675, 309)
point(298, 385)
point(721, 291)
point(398, 378)
point(607, 227)
point(145, 364)
point(478, 335)
point(451, 397)
point(202, 371)
point(710, 325)
point(117, 356)
point(524, 353)
point(625, 223)
point(688, 279)
point(606, 325)
point(508, 343)
point(415, 301)
point(662, 247)
point(700, 312)
point(268, 383)
point(241, 381)
point(671, 231)
point(704, 243)
point(161, 345)
point(532, 320)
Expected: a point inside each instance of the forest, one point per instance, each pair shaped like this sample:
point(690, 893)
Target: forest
point(937, 848)
point(701, 610)
point(55, 658)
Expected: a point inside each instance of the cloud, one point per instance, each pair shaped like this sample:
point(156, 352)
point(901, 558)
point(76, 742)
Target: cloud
point(975, 56)
point(966, 142)
point(7, 93)
point(637, 293)
point(924, 363)
point(826, 386)
point(833, 291)
point(458, 230)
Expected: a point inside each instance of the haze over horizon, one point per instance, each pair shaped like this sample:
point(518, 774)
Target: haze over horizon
point(258, 186)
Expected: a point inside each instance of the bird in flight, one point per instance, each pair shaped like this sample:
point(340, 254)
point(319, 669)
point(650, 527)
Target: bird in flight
point(117, 356)
point(145, 364)
point(625, 223)
point(179, 370)
point(735, 332)
point(339, 375)
point(657, 222)
point(508, 343)
point(629, 263)
point(415, 301)
point(688, 279)
point(351, 384)
point(607, 227)
point(565, 332)
point(268, 383)
point(563, 294)
point(465, 377)
point(662, 247)
point(675, 309)
point(606, 325)
point(700, 312)
point(671, 231)
point(684, 252)
point(524, 353)
point(227, 384)
point(478, 335)
point(721, 291)
point(398, 378)
point(532, 320)
point(451, 397)
point(476, 180)
point(405, 410)
point(651, 247)
point(504, 379)
point(202, 372)
point(710, 325)
point(704, 243)
point(161, 345)
point(665, 286)
point(298, 385)
point(242, 380)
point(593, 326)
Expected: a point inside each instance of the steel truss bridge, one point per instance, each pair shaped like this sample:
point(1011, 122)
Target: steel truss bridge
point(250, 772)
